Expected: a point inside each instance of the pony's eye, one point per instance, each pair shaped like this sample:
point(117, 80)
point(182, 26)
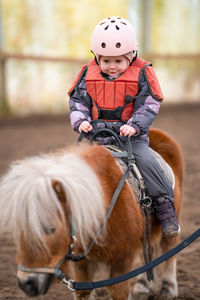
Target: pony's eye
point(49, 230)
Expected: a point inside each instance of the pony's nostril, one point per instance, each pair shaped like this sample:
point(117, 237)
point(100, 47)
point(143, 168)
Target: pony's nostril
point(29, 286)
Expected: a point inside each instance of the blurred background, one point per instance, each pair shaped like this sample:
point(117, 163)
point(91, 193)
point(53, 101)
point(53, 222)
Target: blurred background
point(43, 44)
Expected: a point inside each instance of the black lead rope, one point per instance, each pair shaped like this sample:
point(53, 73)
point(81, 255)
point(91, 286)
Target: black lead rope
point(148, 266)
point(98, 284)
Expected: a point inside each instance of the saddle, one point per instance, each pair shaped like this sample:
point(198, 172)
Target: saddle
point(124, 158)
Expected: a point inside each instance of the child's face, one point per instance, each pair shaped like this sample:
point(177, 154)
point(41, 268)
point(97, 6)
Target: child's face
point(113, 65)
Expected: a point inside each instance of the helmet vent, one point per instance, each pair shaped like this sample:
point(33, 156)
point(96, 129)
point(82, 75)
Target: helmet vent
point(118, 45)
point(106, 27)
point(113, 21)
point(123, 23)
point(103, 45)
point(102, 23)
point(117, 27)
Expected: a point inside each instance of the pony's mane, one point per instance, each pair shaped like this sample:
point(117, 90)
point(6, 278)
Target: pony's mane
point(28, 202)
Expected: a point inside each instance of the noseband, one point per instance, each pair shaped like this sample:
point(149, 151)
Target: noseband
point(57, 272)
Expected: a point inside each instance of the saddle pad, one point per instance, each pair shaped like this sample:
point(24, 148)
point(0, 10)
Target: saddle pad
point(164, 165)
point(132, 180)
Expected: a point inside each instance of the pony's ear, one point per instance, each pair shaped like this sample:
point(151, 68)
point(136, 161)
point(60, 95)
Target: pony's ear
point(58, 188)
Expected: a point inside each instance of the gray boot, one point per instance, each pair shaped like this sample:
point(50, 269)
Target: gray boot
point(166, 215)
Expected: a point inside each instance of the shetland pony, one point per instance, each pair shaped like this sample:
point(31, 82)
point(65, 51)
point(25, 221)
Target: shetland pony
point(42, 197)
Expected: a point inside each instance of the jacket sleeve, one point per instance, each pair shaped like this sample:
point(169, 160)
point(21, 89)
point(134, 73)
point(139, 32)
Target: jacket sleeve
point(80, 105)
point(146, 107)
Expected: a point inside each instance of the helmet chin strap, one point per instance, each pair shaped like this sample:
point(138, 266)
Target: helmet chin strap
point(135, 56)
point(95, 58)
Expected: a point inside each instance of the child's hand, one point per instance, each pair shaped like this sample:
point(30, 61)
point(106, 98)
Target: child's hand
point(127, 130)
point(85, 126)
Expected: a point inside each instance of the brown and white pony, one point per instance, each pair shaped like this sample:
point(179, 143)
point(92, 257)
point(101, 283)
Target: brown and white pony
point(41, 196)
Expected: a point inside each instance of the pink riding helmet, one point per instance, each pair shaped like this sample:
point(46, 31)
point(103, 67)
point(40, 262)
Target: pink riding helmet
point(113, 36)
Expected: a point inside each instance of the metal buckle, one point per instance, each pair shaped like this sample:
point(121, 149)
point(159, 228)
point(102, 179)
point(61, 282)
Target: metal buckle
point(74, 238)
point(69, 284)
point(146, 202)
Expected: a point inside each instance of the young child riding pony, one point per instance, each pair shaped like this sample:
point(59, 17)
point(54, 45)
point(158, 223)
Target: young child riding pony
point(117, 87)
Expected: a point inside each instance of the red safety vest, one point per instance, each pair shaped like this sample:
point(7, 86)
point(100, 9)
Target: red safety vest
point(114, 100)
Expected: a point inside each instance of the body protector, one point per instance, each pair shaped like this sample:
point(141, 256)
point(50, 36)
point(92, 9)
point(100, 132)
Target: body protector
point(114, 100)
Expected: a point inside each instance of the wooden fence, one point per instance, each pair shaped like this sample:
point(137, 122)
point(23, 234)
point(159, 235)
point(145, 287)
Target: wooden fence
point(4, 57)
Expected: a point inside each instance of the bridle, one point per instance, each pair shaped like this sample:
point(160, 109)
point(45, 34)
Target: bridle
point(56, 271)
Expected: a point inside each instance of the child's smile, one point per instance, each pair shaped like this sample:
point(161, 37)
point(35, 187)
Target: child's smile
point(113, 65)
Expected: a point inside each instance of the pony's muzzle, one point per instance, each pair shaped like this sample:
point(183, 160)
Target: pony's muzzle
point(35, 284)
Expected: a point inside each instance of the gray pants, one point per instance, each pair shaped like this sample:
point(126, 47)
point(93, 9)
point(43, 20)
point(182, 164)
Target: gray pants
point(157, 183)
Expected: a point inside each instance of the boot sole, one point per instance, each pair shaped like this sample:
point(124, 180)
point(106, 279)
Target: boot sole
point(173, 233)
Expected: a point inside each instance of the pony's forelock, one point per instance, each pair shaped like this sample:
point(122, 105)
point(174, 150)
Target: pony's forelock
point(28, 202)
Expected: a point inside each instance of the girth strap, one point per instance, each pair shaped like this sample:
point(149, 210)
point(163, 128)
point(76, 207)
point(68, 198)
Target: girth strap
point(144, 202)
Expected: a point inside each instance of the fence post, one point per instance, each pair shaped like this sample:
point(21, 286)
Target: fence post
point(146, 25)
point(3, 99)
